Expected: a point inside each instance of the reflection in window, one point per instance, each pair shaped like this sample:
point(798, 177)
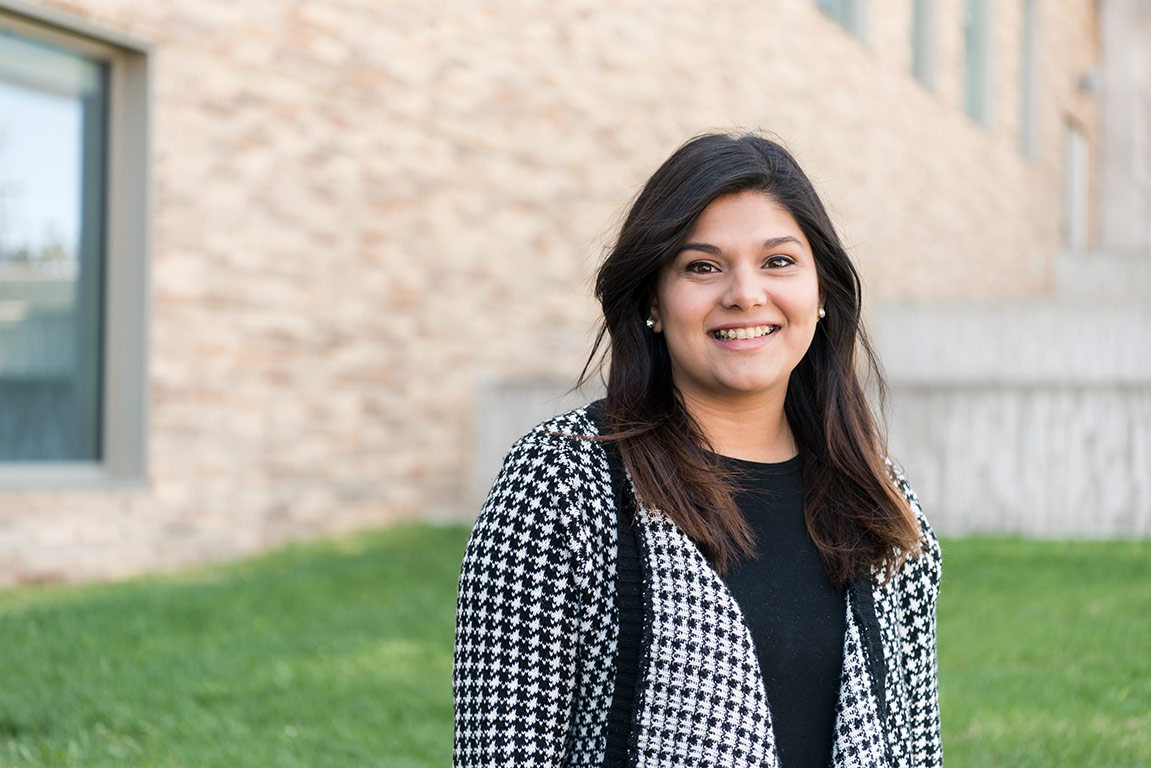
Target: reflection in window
point(53, 124)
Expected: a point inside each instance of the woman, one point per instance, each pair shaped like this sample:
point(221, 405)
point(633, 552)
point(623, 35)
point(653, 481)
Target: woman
point(758, 587)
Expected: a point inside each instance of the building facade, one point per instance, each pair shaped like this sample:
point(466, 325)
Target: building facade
point(311, 265)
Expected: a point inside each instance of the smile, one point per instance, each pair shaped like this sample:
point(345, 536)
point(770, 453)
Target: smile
point(731, 334)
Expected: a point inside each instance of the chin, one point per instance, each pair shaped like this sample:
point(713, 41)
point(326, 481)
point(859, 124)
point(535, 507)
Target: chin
point(752, 388)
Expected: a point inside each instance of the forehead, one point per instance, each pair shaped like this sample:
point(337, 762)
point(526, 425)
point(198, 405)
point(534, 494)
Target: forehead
point(744, 216)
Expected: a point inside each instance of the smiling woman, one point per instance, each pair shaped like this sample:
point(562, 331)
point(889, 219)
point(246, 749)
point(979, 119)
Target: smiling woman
point(716, 564)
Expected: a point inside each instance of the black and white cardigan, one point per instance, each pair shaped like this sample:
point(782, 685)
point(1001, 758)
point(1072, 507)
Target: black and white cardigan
point(537, 628)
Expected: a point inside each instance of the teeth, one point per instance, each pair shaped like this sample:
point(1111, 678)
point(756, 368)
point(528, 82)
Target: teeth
point(744, 333)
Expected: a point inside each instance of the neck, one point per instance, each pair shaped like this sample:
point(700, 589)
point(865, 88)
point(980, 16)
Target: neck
point(753, 432)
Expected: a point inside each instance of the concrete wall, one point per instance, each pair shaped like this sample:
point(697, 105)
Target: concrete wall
point(366, 212)
point(1030, 418)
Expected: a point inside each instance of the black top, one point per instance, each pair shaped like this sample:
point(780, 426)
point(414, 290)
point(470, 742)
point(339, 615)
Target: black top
point(797, 618)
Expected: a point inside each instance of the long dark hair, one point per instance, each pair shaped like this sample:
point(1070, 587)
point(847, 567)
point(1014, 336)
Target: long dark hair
point(855, 515)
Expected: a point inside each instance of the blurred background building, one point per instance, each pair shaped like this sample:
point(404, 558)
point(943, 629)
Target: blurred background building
point(274, 270)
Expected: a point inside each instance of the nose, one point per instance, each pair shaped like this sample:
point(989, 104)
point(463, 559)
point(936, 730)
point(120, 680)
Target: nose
point(746, 288)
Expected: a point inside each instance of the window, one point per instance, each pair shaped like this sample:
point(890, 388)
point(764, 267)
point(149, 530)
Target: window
point(851, 14)
point(977, 60)
point(73, 225)
point(1029, 82)
point(1075, 188)
point(923, 50)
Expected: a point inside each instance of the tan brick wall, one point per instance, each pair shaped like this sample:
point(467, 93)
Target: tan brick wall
point(365, 208)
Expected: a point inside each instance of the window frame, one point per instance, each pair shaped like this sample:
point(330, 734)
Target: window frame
point(127, 243)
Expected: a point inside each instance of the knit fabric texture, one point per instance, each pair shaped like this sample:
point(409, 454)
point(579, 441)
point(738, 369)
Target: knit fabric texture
point(537, 629)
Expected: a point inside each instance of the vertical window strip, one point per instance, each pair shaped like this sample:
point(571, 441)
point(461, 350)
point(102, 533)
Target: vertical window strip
point(859, 18)
point(1076, 175)
point(977, 63)
point(1029, 82)
point(923, 42)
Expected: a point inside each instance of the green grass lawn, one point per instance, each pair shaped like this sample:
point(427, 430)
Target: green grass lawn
point(339, 654)
point(330, 655)
point(1045, 653)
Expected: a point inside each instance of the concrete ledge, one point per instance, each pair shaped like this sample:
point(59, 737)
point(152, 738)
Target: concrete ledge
point(1064, 342)
point(1113, 274)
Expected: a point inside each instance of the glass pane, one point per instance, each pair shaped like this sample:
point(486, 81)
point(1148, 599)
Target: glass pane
point(973, 50)
point(923, 41)
point(52, 182)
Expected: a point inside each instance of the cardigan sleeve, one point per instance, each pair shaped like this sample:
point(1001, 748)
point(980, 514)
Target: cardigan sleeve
point(522, 587)
point(918, 596)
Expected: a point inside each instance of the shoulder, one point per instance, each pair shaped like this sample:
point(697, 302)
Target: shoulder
point(927, 563)
point(567, 431)
point(560, 444)
point(554, 484)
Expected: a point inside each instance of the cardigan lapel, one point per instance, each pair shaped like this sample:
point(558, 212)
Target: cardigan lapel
point(860, 730)
point(701, 700)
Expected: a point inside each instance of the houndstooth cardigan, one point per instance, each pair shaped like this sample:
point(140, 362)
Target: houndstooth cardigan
point(537, 628)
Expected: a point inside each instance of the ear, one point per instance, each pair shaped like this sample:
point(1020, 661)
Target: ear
point(653, 313)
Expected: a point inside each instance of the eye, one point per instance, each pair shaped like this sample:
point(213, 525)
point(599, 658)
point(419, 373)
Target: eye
point(779, 261)
point(701, 268)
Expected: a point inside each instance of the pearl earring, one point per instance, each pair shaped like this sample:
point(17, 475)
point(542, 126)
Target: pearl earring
point(822, 313)
point(650, 323)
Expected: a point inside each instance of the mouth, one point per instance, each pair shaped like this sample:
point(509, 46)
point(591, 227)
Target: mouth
point(754, 332)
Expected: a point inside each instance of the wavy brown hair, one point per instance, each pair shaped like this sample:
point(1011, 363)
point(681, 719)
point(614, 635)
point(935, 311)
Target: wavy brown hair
point(856, 516)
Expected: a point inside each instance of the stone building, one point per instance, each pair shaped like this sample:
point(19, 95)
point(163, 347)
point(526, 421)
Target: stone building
point(274, 270)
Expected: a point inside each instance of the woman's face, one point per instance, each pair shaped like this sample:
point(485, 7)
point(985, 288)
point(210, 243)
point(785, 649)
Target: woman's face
point(738, 305)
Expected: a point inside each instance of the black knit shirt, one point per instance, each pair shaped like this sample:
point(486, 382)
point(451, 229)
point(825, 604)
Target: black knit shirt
point(797, 618)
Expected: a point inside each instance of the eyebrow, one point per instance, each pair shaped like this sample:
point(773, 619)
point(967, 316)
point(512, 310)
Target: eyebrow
point(715, 251)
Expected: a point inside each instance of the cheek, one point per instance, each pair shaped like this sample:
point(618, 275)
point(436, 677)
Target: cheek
point(681, 316)
point(675, 307)
point(805, 302)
